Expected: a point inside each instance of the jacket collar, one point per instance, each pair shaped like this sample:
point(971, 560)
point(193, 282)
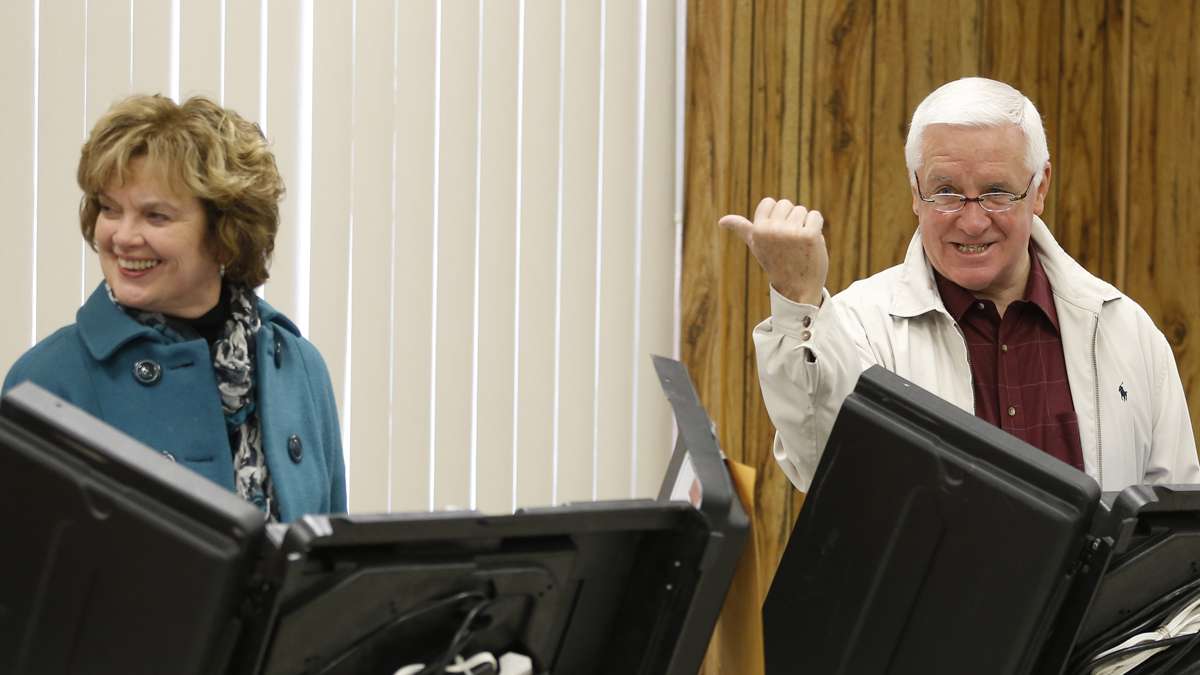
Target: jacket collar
point(104, 328)
point(917, 291)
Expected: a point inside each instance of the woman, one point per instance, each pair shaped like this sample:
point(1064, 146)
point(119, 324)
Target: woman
point(174, 348)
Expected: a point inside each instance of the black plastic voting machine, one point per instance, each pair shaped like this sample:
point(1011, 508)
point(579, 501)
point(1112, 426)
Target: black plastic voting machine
point(932, 542)
point(118, 561)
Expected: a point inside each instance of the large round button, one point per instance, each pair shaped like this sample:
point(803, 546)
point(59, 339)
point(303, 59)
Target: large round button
point(295, 448)
point(147, 371)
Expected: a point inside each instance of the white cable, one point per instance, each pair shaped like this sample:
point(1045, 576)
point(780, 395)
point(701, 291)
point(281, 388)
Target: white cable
point(460, 665)
point(1185, 622)
point(469, 665)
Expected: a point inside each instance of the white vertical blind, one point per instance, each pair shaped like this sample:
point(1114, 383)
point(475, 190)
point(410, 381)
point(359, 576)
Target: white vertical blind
point(415, 105)
point(243, 57)
point(578, 455)
point(533, 443)
point(283, 93)
point(59, 252)
point(107, 81)
point(454, 228)
point(150, 35)
point(329, 199)
point(371, 246)
point(655, 241)
point(18, 37)
point(478, 233)
point(616, 243)
point(199, 48)
point(496, 246)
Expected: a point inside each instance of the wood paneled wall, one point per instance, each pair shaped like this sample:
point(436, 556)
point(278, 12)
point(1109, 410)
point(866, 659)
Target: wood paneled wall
point(810, 100)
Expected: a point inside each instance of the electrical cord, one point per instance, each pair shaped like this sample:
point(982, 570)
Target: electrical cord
point(428, 607)
point(460, 639)
point(1169, 667)
point(1143, 620)
point(1138, 649)
point(1178, 632)
point(1146, 617)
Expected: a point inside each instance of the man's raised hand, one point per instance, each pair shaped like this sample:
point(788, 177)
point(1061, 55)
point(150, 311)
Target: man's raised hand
point(788, 242)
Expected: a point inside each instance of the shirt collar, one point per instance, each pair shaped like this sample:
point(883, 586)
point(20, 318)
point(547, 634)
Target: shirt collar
point(1037, 291)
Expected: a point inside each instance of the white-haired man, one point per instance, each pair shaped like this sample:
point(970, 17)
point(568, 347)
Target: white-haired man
point(986, 310)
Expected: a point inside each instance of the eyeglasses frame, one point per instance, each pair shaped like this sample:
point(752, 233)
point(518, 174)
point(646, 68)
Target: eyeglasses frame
point(963, 199)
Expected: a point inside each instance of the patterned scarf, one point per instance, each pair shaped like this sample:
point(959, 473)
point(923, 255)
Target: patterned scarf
point(233, 363)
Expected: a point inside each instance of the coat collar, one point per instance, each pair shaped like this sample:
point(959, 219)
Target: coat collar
point(104, 328)
point(917, 291)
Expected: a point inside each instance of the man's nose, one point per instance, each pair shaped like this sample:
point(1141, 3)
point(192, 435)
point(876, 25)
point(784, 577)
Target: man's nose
point(973, 219)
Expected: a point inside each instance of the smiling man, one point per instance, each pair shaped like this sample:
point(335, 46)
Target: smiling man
point(986, 310)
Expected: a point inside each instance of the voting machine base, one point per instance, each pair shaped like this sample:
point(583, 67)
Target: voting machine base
point(119, 561)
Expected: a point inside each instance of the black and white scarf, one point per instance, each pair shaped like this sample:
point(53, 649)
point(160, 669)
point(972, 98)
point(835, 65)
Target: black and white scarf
point(233, 356)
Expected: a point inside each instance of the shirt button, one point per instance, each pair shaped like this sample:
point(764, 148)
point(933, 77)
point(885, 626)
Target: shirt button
point(979, 305)
point(1004, 348)
point(1012, 411)
point(295, 448)
point(806, 321)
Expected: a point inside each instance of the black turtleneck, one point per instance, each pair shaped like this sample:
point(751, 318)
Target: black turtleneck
point(209, 325)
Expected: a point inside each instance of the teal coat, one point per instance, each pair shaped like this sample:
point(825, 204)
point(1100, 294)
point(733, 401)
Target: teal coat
point(91, 364)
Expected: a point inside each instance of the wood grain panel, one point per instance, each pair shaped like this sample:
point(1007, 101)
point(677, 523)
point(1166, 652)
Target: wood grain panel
point(715, 342)
point(1021, 44)
point(1164, 177)
point(832, 86)
point(910, 61)
point(1092, 127)
point(713, 296)
point(775, 153)
point(835, 128)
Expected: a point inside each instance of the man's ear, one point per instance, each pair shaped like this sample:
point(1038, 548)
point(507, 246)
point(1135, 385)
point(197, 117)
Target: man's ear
point(1043, 189)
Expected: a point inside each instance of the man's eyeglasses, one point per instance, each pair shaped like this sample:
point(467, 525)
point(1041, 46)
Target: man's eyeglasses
point(992, 202)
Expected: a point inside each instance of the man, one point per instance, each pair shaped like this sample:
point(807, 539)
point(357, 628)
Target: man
point(986, 310)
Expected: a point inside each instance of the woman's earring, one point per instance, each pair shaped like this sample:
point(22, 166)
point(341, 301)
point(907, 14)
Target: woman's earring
point(222, 270)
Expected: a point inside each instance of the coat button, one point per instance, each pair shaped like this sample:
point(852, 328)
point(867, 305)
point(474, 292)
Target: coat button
point(147, 371)
point(295, 448)
point(278, 352)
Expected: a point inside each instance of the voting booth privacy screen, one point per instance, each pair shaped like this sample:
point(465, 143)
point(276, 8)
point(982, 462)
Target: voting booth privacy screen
point(933, 542)
point(120, 561)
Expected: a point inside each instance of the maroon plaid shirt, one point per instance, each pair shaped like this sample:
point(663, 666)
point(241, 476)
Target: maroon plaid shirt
point(1017, 364)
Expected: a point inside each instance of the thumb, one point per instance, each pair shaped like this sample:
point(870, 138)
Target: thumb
point(738, 224)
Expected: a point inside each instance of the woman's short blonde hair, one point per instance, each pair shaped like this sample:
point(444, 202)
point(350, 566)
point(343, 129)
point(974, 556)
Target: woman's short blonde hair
point(200, 149)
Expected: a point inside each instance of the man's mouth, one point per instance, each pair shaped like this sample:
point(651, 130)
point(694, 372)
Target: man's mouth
point(972, 249)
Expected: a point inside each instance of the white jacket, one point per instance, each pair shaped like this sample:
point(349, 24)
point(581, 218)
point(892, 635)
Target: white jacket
point(1133, 418)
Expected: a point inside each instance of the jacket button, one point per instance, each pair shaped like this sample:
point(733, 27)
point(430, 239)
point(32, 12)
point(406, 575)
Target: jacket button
point(147, 371)
point(295, 448)
point(806, 321)
point(278, 352)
